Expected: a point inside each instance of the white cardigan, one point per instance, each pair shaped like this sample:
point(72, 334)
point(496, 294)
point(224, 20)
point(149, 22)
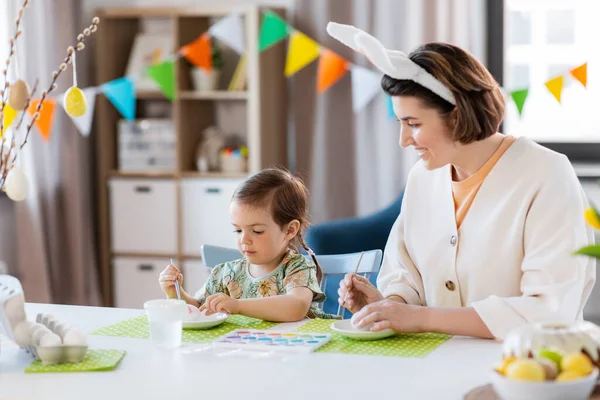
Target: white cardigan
point(512, 258)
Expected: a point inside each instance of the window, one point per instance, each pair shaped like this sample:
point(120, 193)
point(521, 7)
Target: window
point(545, 39)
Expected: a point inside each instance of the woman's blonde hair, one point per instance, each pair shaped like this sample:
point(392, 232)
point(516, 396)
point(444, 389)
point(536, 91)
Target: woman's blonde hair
point(479, 106)
point(285, 196)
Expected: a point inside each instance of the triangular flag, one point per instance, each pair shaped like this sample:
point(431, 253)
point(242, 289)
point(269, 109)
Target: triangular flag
point(331, 68)
point(164, 74)
point(84, 123)
point(365, 85)
point(302, 50)
point(390, 107)
point(9, 116)
point(580, 73)
point(555, 86)
point(44, 122)
point(230, 30)
point(273, 29)
point(121, 93)
point(519, 97)
point(199, 52)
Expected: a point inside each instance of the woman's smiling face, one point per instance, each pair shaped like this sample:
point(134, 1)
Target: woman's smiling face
point(424, 129)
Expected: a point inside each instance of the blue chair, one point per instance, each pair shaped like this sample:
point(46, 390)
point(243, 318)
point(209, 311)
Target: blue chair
point(334, 267)
point(353, 235)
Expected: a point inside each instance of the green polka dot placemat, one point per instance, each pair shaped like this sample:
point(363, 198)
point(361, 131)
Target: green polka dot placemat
point(138, 328)
point(400, 345)
point(94, 360)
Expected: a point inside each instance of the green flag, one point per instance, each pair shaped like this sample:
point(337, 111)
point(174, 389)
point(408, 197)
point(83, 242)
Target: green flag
point(164, 74)
point(273, 30)
point(519, 97)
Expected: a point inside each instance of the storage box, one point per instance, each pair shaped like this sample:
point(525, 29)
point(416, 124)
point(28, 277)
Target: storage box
point(136, 280)
point(147, 145)
point(143, 215)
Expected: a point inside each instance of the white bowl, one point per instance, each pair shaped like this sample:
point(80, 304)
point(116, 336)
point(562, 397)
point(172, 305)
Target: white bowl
point(201, 321)
point(512, 389)
point(345, 328)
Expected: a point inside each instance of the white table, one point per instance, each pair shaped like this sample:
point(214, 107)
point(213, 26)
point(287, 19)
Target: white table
point(146, 373)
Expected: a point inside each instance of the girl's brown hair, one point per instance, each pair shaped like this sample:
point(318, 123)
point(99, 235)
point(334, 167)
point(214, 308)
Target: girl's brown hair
point(286, 196)
point(479, 106)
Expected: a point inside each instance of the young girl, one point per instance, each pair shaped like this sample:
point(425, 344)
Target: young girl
point(272, 281)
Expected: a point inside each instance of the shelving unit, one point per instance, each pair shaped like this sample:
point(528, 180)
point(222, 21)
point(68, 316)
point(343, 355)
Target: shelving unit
point(147, 217)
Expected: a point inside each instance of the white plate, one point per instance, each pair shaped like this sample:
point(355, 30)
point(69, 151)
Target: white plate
point(204, 322)
point(345, 328)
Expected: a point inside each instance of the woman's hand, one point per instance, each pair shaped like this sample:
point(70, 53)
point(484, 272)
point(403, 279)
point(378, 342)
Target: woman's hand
point(167, 280)
point(360, 293)
point(392, 314)
point(220, 302)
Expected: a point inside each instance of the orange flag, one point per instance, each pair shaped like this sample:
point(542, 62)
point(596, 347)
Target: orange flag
point(555, 86)
point(44, 122)
point(331, 69)
point(199, 52)
point(580, 73)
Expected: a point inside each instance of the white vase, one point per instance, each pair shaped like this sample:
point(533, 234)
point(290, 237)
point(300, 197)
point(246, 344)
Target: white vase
point(204, 80)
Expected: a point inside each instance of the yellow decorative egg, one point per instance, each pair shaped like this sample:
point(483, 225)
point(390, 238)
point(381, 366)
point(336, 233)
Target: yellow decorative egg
point(75, 102)
point(18, 95)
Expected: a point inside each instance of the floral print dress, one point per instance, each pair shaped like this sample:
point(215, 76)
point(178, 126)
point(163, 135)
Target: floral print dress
point(234, 279)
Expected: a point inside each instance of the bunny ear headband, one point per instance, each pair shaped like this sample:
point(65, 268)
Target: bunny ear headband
point(391, 62)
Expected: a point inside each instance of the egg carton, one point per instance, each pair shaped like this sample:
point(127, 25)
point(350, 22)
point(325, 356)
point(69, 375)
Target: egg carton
point(47, 345)
point(56, 353)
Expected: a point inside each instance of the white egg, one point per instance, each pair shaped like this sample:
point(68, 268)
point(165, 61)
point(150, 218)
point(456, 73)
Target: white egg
point(23, 333)
point(74, 338)
point(17, 184)
point(50, 340)
point(39, 334)
point(14, 309)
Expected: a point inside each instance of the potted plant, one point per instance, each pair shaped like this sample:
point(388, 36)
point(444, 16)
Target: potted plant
point(205, 80)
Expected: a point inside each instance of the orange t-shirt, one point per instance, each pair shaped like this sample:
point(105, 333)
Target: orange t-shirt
point(464, 192)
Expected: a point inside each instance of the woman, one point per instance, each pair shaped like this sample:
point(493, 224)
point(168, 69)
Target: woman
point(489, 223)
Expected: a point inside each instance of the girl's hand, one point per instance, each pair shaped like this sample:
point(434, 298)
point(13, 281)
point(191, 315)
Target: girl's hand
point(393, 315)
point(220, 302)
point(167, 280)
point(360, 293)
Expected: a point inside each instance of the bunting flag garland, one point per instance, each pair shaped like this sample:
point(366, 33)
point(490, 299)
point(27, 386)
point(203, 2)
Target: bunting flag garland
point(84, 123)
point(273, 30)
point(230, 30)
point(580, 73)
point(164, 75)
point(302, 50)
point(365, 86)
point(44, 122)
point(331, 69)
point(390, 107)
point(519, 97)
point(199, 52)
point(9, 116)
point(555, 86)
point(121, 93)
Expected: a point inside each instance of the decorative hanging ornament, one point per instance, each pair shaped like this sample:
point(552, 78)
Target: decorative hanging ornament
point(17, 185)
point(18, 95)
point(75, 101)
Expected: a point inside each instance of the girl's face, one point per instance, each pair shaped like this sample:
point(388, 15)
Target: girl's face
point(424, 129)
point(259, 238)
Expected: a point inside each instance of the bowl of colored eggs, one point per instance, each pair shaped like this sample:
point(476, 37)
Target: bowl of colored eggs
point(548, 362)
